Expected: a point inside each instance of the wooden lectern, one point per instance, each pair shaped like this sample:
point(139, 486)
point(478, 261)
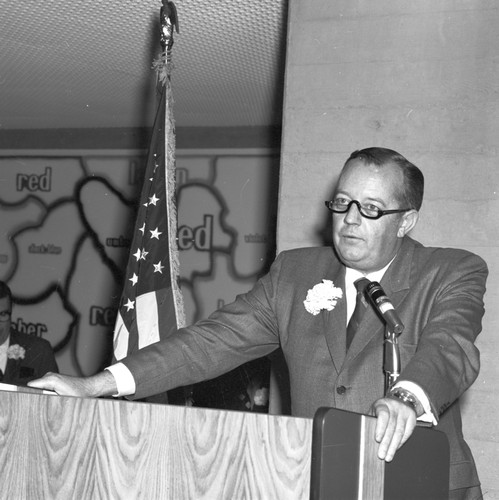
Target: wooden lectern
point(74, 448)
point(63, 447)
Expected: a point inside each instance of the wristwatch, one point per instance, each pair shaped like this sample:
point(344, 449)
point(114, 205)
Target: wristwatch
point(406, 397)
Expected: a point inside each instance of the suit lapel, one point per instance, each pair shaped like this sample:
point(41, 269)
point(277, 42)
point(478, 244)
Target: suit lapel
point(397, 280)
point(12, 366)
point(11, 370)
point(335, 320)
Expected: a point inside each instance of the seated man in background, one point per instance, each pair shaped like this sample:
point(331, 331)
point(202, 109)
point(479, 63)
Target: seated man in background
point(23, 357)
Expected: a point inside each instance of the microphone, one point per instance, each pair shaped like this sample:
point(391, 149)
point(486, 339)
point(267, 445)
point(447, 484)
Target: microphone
point(385, 307)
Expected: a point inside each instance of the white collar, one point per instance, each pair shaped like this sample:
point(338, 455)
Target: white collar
point(352, 275)
point(5, 345)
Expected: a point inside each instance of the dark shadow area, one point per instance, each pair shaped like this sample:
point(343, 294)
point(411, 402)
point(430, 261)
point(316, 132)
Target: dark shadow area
point(324, 228)
point(245, 388)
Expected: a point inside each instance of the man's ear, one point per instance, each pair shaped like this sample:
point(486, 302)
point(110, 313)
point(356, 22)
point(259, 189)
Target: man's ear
point(407, 223)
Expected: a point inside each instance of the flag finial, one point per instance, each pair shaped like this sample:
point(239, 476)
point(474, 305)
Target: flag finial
point(169, 22)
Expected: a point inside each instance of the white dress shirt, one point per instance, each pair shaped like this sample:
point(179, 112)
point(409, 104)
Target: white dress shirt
point(3, 354)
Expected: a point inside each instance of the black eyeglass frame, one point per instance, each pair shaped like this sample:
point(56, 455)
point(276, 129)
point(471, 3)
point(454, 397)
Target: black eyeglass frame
point(329, 206)
point(5, 316)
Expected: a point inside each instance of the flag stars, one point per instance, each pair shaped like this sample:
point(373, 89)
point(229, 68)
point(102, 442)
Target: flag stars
point(130, 305)
point(143, 228)
point(155, 233)
point(140, 254)
point(134, 279)
point(158, 268)
point(153, 200)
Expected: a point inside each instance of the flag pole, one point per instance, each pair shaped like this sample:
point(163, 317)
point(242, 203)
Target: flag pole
point(169, 24)
point(151, 305)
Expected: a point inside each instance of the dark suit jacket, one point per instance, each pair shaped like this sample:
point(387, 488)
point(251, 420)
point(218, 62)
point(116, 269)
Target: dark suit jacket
point(38, 360)
point(437, 293)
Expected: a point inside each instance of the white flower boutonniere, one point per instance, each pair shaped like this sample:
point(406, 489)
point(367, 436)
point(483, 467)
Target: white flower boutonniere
point(323, 296)
point(15, 351)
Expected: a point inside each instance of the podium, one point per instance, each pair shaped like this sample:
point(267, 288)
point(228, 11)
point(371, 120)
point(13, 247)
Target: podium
point(74, 448)
point(64, 447)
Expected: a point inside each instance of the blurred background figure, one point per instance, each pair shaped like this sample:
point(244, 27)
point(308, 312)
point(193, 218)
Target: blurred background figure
point(23, 357)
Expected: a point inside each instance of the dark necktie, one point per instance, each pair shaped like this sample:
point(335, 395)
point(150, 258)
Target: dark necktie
point(360, 309)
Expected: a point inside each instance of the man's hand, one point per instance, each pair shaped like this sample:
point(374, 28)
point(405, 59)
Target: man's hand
point(394, 426)
point(102, 384)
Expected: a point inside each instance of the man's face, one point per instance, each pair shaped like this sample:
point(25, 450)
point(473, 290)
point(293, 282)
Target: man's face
point(5, 307)
point(367, 244)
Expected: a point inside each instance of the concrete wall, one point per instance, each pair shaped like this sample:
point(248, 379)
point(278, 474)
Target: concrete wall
point(421, 78)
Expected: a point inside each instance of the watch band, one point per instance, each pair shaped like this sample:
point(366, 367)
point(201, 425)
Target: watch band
point(406, 397)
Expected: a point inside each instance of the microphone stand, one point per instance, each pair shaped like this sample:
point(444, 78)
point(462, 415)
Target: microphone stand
point(391, 359)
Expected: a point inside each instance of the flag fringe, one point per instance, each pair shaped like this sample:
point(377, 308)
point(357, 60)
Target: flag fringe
point(169, 133)
point(163, 67)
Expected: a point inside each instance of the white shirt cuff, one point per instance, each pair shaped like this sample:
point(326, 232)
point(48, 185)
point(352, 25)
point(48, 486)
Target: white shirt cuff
point(125, 383)
point(428, 415)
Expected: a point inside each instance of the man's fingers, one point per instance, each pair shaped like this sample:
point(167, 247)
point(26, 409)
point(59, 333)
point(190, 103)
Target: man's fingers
point(46, 382)
point(101, 384)
point(395, 424)
point(62, 385)
point(392, 440)
point(383, 418)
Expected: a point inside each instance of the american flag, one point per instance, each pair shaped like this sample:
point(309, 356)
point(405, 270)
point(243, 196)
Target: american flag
point(151, 305)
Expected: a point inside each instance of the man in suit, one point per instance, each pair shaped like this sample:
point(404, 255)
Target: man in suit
point(23, 357)
point(437, 292)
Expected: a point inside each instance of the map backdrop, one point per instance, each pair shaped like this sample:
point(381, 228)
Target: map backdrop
point(65, 236)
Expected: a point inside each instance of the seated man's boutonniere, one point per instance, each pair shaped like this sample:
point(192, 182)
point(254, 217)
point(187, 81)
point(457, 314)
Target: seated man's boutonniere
point(15, 351)
point(323, 296)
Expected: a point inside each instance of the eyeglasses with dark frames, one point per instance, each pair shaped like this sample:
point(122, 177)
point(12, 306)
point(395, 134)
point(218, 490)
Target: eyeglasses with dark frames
point(342, 206)
point(5, 316)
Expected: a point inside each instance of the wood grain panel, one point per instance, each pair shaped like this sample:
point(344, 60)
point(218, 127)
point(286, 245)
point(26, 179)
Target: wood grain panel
point(371, 469)
point(60, 447)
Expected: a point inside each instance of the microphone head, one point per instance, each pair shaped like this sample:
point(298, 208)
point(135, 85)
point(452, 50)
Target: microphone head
point(375, 291)
point(383, 304)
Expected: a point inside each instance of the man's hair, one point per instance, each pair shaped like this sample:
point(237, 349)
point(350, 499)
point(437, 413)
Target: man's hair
point(5, 291)
point(412, 195)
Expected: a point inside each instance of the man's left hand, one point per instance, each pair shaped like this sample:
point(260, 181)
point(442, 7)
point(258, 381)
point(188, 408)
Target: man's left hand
point(395, 424)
